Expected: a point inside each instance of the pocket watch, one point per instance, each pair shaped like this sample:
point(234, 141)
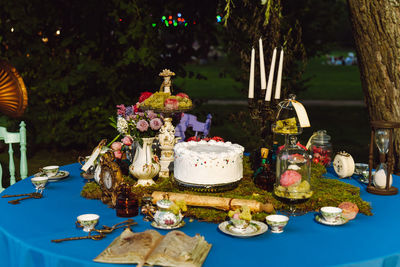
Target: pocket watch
point(343, 163)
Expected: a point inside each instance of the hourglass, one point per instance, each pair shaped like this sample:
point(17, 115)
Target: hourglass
point(380, 183)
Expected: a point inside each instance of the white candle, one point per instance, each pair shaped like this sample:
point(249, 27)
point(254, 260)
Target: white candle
point(251, 80)
point(262, 66)
point(271, 77)
point(279, 79)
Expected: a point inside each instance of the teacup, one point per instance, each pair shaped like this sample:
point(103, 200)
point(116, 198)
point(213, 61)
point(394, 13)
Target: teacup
point(50, 171)
point(277, 222)
point(331, 214)
point(240, 224)
point(87, 221)
point(40, 182)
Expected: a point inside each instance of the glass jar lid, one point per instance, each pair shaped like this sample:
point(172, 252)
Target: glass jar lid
point(321, 137)
point(287, 121)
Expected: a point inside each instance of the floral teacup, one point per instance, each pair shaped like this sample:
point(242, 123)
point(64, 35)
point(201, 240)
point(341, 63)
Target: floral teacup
point(50, 171)
point(331, 214)
point(277, 222)
point(87, 221)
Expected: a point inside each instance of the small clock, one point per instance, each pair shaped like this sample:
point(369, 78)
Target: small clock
point(343, 163)
point(110, 177)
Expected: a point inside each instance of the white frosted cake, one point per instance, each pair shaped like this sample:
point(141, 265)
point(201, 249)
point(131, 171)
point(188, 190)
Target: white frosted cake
point(208, 163)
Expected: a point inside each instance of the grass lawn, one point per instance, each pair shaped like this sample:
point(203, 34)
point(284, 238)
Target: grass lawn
point(330, 82)
point(326, 82)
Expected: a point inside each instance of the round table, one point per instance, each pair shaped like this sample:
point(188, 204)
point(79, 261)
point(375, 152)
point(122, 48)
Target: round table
point(26, 230)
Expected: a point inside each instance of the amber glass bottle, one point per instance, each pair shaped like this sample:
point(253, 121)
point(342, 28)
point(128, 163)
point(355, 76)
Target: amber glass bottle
point(127, 203)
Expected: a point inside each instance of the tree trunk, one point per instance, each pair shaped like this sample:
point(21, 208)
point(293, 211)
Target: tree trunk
point(376, 31)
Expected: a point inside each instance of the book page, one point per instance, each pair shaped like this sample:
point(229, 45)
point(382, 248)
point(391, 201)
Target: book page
point(130, 247)
point(178, 249)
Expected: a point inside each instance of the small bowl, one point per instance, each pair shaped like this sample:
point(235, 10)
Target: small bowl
point(277, 222)
point(50, 171)
point(360, 168)
point(331, 214)
point(40, 181)
point(88, 221)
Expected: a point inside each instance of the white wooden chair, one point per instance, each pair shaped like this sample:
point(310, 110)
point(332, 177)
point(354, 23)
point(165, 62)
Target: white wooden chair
point(10, 139)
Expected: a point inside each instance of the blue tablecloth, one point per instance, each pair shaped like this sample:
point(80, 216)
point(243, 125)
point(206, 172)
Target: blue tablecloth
point(26, 230)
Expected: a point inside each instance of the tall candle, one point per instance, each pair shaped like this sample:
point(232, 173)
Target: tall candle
point(279, 79)
point(271, 77)
point(251, 80)
point(262, 66)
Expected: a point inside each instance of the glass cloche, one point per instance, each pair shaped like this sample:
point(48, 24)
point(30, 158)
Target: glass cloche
point(293, 172)
point(287, 121)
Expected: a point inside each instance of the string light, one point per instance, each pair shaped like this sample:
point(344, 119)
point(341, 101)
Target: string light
point(219, 18)
point(58, 32)
point(179, 15)
point(45, 39)
point(12, 29)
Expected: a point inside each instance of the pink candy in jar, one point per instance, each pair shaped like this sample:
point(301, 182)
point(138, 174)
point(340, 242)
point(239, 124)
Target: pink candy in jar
point(321, 148)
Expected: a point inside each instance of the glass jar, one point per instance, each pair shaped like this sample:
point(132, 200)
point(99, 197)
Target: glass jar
point(293, 173)
point(127, 204)
point(287, 121)
point(321, 148)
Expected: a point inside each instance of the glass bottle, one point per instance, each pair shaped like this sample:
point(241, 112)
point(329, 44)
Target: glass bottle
point(293, 175)
point(264, 176)
point(287, 122)
point(321, 148)
point(127, 204)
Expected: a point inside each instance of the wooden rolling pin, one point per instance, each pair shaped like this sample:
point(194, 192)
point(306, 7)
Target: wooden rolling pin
point(222, 203)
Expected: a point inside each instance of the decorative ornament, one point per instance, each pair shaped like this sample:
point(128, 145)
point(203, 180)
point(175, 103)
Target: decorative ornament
point(343, 163)
point(110, 178)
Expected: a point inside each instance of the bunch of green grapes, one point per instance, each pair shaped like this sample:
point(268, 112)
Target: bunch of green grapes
point(177, 206)
point(245, 214)
point(156, 100)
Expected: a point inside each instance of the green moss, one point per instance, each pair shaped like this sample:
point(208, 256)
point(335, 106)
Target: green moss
point(327, 192)
point(91, 190)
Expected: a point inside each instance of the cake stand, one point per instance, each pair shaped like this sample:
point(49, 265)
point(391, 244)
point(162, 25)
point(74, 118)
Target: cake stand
point(166, 138)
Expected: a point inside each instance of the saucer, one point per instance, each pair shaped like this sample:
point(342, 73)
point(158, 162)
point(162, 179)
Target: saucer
point(59, 176)
point(254, 228)
point(337, 222)
point(156, 225)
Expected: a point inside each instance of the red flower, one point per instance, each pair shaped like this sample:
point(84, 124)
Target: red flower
point(206, 139)
point(183, 95)
point(218, 139)
point(193, 138)
point(144, 96)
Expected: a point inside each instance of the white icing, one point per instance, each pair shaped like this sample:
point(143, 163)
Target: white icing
point(208, 163)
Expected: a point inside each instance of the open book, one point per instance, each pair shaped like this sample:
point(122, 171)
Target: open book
point(151, 248)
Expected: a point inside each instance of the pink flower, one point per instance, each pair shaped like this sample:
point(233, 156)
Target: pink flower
point(127, 140)
point(142, 125)
point(155, 124)
point(118, 154)
point(151, 114)
point(290, 177)
point(121, 110)
point(116, 146)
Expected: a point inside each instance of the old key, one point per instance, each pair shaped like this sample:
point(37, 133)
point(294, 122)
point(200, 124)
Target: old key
point(31, 195)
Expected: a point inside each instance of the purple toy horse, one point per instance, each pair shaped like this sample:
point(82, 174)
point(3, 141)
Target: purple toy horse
point(189, 120)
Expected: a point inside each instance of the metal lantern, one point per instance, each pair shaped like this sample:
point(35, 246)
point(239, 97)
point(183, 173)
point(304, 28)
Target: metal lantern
point(380, 182)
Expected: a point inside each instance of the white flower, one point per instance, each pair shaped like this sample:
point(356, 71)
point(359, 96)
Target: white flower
point(122, 125)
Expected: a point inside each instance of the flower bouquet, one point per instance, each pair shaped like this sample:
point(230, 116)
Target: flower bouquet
point(141, 127)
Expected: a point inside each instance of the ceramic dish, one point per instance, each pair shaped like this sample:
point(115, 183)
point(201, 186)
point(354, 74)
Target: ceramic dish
point(59, 176)
point(254, 228)
point(339, 221)
point(179, 225)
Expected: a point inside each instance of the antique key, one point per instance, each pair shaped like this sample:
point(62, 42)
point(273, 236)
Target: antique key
point(32, 195)
point(89, 236)
point(17, 195)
